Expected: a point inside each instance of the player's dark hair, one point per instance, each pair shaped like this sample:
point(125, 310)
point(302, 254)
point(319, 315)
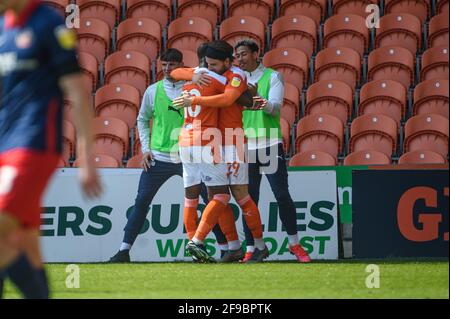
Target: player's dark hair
point(201, 54)
point(172, 55)
point(223, 47)
point(250, 44)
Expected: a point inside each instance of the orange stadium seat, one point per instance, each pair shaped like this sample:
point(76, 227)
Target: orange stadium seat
point(340, 63)
point(392, 63)
point(68, 141)
point(422, 157)
point(190, 60)
point(235, 29)
point(292, 97)
point(435, 63)
point(288, 113)
point(292, 63)
point(315, 9)
point(59, 5)
point(352, 7)
point(158, 10)
point(346, 30)
point(330, 97)
point(106, 10)
point(110, 137)
point(386, 97)
point(121, 101)
point(211, 10)
point(189, 33)
point(286, 134)
point(89, 65)
point(427, 132)
point(438, 30)
point(129, 67)
point(399, 29)
point(295, 31)
point(320, 132)
point(102, 161)
point(367, 157)
point(419, 8)
point(140, 34)
point(312, 158)
point(431, 97)
point(135, 161)
point(261, 9)
point(442, 6)
point(94, 37)
point(376, 132)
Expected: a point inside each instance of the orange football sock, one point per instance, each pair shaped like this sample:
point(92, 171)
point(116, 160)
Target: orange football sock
point(211, 215)
point(252, 216)
point(190, 216)
point(228, 225)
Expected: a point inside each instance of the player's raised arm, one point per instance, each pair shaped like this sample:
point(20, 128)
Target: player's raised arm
point(73, 87)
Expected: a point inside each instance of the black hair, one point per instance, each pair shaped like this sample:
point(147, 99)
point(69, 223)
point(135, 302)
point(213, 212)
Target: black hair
point(223, 47)
point(250, 44)
point(172, 55)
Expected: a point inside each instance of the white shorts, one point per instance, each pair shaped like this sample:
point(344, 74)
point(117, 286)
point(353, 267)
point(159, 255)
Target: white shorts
point(199, 166)
point(237, 165)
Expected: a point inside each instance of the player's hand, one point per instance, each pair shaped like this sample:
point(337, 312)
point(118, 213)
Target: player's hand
point(90, 181)
point(185, 100)
point(253, 89)
point(259, 103)
point(147, 159)
point(201, 78)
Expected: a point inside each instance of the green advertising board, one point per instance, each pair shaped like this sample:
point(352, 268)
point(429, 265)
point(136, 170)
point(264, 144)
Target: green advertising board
point(344, 184)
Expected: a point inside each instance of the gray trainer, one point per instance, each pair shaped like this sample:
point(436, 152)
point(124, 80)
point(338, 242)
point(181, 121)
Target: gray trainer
point(199, 252)
point(232, 256)
point(259, 255)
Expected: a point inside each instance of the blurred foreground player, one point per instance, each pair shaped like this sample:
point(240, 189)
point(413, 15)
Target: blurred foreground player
point(37, 67)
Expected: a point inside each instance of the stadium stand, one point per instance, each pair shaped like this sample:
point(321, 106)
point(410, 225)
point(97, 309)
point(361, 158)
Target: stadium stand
point(158, 10)
point(315, 9)
point(346, 30)
point(399, 70)
point(69, 141)
point(431, 97)
point(189, 33)
point(135, 161)
point(120, 101)
point(312, 158)
point(103, 161)
point(235, 29)
point(140, 34)
point(211, 10)
point(322, 132)
point(292, 63)
point(422, 157)
point(330, 97)
point(427, 132)
point(400, 29)
point(110, 137)
point(386, 97)
point(434, 63)
point(106, 10)
point(261, 9)
point(376, 132)
point(129, 67)
point(94, 36)
point(296, 31)
point(367, 157)
point(339, 63)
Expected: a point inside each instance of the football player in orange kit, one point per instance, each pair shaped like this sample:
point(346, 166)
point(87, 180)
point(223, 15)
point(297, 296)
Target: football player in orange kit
point(219, 56)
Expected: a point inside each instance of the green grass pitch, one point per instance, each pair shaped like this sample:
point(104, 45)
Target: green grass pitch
point(282, 280)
